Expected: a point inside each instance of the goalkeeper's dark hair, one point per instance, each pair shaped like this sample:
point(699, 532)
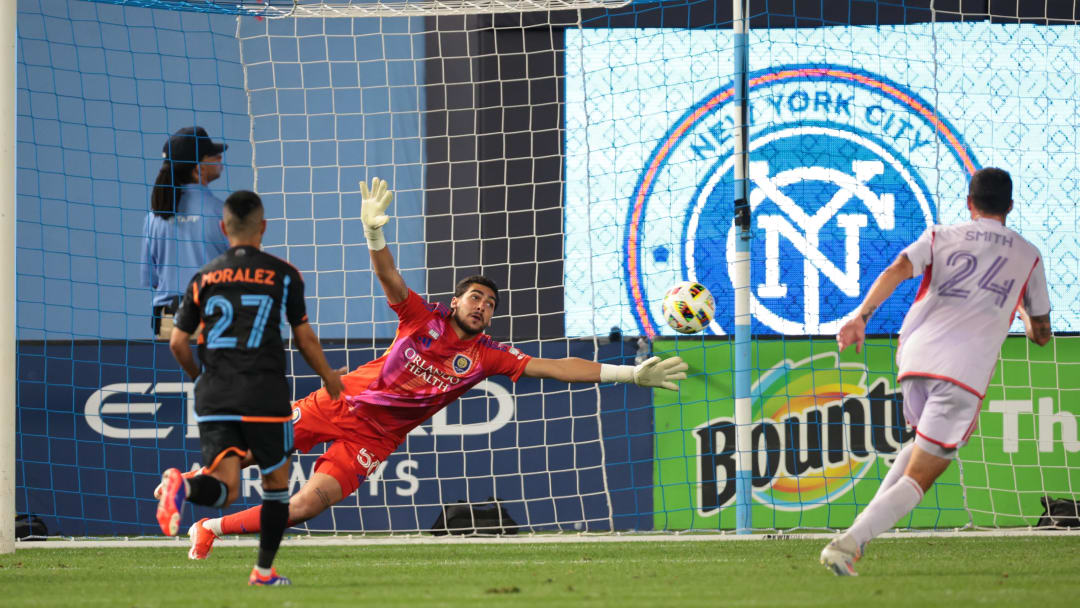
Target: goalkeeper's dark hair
point(991, 191)
point(463, 286)
point(243, 213)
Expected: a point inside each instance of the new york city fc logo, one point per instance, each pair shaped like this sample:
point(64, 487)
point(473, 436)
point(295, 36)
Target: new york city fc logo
point(846, 169)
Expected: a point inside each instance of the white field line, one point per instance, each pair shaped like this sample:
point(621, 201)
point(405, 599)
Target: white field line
point(539, 539)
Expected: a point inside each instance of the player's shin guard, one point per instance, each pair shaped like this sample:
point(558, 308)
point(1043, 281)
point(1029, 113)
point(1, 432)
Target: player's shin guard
point(207, 491)
point(273, 519)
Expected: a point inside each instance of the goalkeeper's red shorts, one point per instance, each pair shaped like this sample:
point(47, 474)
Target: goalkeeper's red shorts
point(356, 446)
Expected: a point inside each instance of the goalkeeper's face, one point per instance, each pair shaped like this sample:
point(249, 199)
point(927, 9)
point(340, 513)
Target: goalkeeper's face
point(473, 309)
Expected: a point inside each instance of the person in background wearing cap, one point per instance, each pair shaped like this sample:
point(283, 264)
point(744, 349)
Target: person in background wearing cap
point(181, 232)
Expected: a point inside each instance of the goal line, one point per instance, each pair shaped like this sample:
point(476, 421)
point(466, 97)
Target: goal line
point(526, 539)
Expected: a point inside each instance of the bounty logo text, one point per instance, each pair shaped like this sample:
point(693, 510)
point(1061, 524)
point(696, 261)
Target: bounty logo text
point(817, 429)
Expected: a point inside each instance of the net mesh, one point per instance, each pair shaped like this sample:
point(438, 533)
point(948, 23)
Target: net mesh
point(580, 159)
point(279, 9)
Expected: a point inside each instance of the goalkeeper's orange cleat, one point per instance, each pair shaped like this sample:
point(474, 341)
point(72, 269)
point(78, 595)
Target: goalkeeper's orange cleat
point(188, 475)
point(202, 540)
point(273, 580)
point(171, 504)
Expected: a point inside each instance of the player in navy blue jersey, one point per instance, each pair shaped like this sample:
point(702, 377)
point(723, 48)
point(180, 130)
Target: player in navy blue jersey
point(242, 400)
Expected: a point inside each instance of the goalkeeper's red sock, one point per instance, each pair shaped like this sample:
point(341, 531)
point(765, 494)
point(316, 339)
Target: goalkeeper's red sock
point(244, 522)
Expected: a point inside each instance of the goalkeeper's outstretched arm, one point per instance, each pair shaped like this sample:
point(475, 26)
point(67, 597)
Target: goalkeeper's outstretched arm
point(655, 372)
point(373, 205)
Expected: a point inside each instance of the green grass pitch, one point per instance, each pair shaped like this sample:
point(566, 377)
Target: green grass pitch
point(1012, 571)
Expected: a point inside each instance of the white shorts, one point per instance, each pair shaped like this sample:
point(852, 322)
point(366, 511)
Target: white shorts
point(940, 411)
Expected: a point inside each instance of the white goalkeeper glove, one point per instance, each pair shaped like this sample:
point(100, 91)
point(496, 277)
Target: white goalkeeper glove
point(654, 372)
point(373, 204)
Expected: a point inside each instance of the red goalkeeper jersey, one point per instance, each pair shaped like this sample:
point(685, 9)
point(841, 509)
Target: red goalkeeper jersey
point(425, 369)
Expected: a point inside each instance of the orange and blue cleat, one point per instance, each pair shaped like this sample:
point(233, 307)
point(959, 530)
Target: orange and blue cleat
point(273, 580)
point(188, 475)
point(171, 504)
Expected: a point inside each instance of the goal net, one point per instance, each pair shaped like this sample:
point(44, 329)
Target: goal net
point(579, 154)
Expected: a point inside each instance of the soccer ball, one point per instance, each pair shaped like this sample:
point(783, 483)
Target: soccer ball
point(688, 307)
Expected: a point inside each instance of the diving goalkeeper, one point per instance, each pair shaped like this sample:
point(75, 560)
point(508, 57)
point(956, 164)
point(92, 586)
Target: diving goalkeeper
point(438, 354)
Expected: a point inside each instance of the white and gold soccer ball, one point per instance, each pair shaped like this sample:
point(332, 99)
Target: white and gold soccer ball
point(689, 307)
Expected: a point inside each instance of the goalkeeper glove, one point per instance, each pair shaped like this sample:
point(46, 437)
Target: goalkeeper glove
point(654, 372)
point(373, 204)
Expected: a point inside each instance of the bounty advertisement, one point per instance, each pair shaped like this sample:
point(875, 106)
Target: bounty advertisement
point(826, 427)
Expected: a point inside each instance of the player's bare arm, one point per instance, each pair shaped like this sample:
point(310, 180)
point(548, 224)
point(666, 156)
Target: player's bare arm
point(854, 331)
point(180, 345)
point(655, 372)
point(308, 345)
point(373, 205)
point(1037, 328)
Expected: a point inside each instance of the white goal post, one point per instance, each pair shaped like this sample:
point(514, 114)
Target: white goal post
point(7, 278)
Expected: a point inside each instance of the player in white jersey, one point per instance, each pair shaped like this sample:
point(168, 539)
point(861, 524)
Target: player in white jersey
point(976, 276)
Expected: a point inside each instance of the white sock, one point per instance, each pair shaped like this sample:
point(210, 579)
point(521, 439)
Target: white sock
point(214, 525)
point(896, 471)
point(264, 571)
point(885, 510)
